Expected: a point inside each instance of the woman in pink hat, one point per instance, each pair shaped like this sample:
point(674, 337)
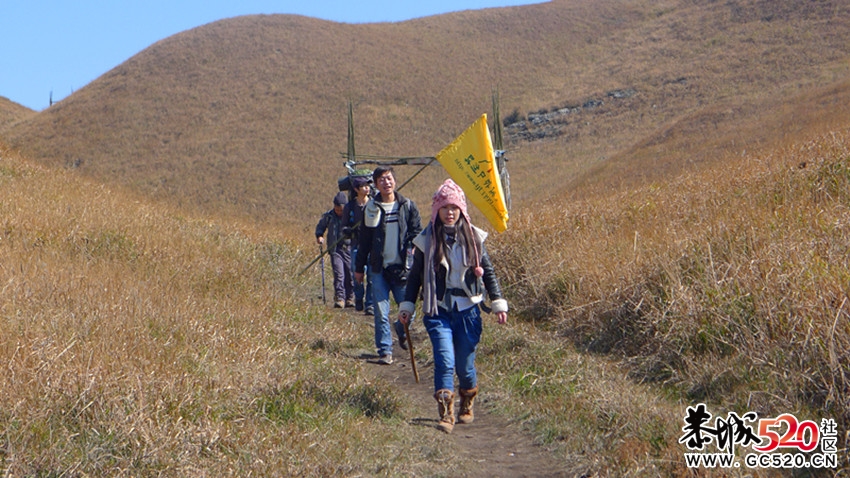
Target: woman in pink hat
point(452, 269)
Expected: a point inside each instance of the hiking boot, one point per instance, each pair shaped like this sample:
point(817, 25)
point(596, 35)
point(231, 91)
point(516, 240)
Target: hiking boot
point(339, 304)
point(402, 337)
point(467, 398)
point(386, 359)
point(369, 311)
point(358, 305)
point(446, 408)
point(349, 303)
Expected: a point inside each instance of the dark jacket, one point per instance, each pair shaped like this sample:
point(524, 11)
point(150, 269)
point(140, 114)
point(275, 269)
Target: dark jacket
point(333, 224)
point(352, 221)
point(372, 238)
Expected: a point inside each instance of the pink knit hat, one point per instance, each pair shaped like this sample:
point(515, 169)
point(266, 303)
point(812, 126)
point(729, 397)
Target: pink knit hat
point(448, 193)
point(451, 193)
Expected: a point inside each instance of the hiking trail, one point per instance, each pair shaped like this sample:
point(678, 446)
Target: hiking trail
point(498, 447)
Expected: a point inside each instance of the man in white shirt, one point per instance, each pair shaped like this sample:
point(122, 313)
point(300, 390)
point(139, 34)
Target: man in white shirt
point(391, 222)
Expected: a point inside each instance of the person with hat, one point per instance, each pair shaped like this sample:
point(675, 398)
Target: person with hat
point(340, 251)
point(453, 271)
point(353, 219)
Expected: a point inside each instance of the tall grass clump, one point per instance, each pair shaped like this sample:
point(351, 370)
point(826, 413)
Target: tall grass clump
point(582, 407)
point(136, 341)
point(728, 286)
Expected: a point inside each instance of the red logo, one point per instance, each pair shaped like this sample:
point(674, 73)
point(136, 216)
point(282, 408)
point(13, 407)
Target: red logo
point(803, 435)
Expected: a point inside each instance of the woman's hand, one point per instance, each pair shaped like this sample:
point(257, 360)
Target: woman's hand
point(502, 316)
point(404, 317)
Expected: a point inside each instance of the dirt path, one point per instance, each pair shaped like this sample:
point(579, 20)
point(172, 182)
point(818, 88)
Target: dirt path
point(498, 447)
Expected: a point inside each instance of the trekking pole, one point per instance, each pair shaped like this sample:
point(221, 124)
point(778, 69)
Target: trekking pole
point(326, 251)
point(322, 255)
point(410, 346)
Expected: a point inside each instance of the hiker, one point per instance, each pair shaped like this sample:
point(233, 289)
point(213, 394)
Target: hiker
point(353, 219)
point(391, 222)
point(331, 222)
point(453, 270)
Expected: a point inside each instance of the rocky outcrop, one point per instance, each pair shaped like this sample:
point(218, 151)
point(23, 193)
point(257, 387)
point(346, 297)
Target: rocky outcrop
point(545, 124)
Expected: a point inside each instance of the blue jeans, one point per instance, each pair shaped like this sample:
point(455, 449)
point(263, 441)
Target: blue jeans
point(362, 293)
point(454, 338)
point(381, 289)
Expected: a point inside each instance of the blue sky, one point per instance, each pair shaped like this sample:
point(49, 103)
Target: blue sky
point(59, 46)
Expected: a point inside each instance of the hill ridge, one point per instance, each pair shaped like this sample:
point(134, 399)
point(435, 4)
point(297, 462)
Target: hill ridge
point(246, 116)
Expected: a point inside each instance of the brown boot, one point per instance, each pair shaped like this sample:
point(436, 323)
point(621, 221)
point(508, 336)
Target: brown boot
point(446, 408)
point(467, 398)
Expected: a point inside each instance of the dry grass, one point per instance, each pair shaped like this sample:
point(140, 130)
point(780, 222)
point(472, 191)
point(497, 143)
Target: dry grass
point(702, 256)
point(139, 342)
point(728, 286)
point(246, 116)
point(11, 113)
point(583, 407)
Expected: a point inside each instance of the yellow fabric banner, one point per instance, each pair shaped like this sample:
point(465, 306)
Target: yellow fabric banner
point(471, 163)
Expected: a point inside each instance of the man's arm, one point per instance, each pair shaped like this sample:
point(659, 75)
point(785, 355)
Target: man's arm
point(414, 224)
point(321, 227)
point(364, 249)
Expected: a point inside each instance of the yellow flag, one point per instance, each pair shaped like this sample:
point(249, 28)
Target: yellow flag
point(470, 162)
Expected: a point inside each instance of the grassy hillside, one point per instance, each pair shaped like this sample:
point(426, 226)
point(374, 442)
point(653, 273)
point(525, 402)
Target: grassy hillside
point(11, 113)
point(140, 340)
point(246, 116)
point(679, 235)
point(729, 286)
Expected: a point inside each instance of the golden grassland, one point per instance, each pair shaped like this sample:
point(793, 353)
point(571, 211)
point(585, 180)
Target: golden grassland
point(11, 113)
point(139, 341)
point(729, 286)
point(689, 244)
